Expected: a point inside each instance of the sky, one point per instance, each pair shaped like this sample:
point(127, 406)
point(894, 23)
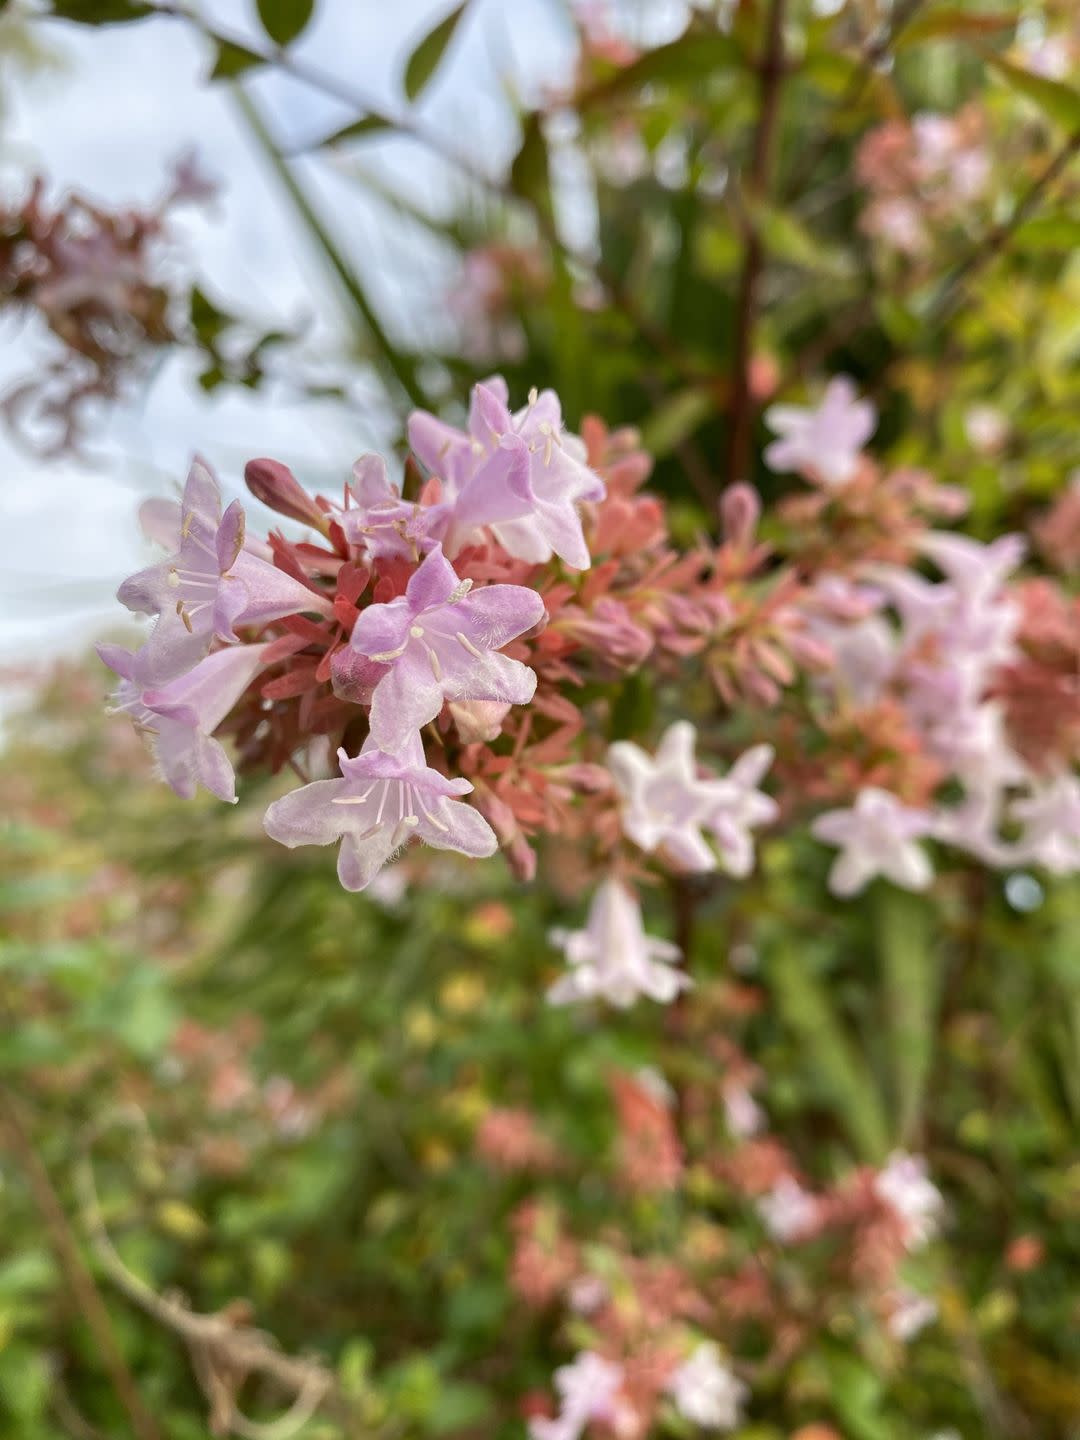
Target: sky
point(122, 103)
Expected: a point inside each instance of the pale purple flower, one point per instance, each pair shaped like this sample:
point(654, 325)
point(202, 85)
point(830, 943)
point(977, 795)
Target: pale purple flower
point(613, 959)
point(822, 442)
point(910, 1313)
point(384, 524)
point(743, 1115)
point(706, 1391)
point(906, 1188)
point(789, 1212)
point(589, 1390)
point(440, 641)
point(667, 803)
point(379, 805)
point(210, 585)
point(876, 837)
point(1050, 815)
point(519, 475)
point(177, 719)
point(740, 809)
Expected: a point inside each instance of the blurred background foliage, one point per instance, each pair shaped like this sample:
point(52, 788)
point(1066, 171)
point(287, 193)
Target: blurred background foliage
point(312, 1065)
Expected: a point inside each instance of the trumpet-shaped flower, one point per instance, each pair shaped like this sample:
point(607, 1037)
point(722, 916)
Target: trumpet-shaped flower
point(440, 641)
point(380, 803)
point(588, 1389)
point(520, 475)
point(667, 804)
point(613, 959)
point(177, 718)
point(706, 1392)
point(876, 837)
point(1050, 815)
point(382, 522)
point(906, 1188)
point(822, 441)
point(209, 586)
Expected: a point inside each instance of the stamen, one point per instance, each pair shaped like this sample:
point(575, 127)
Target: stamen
point(459, 592)
point(469, 646)
point(382, 803)
point(416, 631)
point(439, 825)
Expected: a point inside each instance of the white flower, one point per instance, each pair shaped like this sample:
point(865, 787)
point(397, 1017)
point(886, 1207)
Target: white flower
point(706, 1392)
point(876, 837)
point(667, 804)
point(613, 958)
point(986, 428)
point(910, 1313)
point(1050, 816)
point(743, 1114)
point(906, 1188)
point(824, 441)
point(588, 1388)
point(789, 1211)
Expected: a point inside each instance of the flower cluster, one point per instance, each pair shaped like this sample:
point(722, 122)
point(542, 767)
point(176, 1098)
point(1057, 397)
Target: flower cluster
point(921, 175)
point(92, 275)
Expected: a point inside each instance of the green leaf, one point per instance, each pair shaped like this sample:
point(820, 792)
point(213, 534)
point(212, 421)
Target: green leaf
point(692, 57)
point(839, 1071)
point(952, 23)
point(101, 12)
point(425, 59)
point(284, 20)
point(530, 172)
point(1048, 233)
point(788, 240)
point(676, 418)
point(367, 125)
point(1057, 101)
point(911, 991)
point(233, 60)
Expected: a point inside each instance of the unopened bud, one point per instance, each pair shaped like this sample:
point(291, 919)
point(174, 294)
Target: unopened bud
point(276, 486)
point(740, 511)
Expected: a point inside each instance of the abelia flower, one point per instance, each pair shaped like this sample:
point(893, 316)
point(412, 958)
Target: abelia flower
point(209, 586)
point(520, 475)
point(613, 959)
point(1050, 815)
point(905, 1187)
point(823, 442)
point(440, 641)
point(381, 802)
point(790, 1213)
point(667, 803)
point(383, 524)
point(706, 1391)
point(909, 1313)
point(876, 837)
point(588, 1389)
point(178, 718)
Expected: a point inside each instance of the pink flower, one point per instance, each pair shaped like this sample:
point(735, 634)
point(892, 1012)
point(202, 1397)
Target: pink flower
point(905, 1187)
point(822, 442)
point(177, 718)
point(440, 641)
point(518, 474)
point(588, 1389)
point(381, 802)
point(209, 586)
point(877, 837)
point(613, 959)
point(790, 1213)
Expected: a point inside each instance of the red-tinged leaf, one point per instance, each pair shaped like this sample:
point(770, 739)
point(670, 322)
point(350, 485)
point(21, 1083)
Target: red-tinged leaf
point(345, 614)
point(288, 686)
point(284, 648)
point(314, 633)
point(352, 581)
point(322, 670)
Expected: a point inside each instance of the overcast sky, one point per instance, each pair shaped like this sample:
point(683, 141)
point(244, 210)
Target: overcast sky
point(124, 102)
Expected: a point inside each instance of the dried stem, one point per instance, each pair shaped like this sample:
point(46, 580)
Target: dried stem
point(761, 165)
point(224, 1350)
point(79, 1279)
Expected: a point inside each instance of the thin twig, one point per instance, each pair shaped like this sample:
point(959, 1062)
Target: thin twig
point(761, 164)
point(224, 1350)
point(79, 1280)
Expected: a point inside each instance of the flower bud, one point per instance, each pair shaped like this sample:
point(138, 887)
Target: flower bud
point(276, 486)
point(740, 510)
